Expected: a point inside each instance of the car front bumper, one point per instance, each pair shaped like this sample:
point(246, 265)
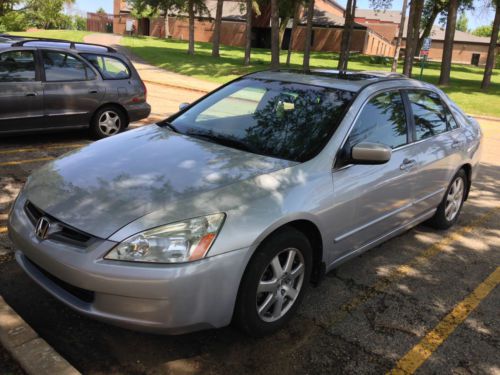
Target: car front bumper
point(171, 299)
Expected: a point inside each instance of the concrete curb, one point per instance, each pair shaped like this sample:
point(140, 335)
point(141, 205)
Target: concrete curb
point(481, 117)
point(187, 88)
point(35, 356)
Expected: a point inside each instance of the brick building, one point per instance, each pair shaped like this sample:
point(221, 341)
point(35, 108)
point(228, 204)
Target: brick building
point(328, 22)
point(467, 48)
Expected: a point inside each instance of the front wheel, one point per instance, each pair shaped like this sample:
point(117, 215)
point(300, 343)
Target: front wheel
point(274, 283)
point(448, 211)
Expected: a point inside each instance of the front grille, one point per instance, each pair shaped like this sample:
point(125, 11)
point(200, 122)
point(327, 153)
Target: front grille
point(65, 233)
point(83, 295)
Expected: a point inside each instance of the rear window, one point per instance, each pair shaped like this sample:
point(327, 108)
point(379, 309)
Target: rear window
point(109, 67)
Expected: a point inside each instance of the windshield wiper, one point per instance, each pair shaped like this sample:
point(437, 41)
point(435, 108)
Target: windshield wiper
point(229, 142)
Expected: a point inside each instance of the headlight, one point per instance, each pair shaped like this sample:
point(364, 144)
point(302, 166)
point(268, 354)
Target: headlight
point(183, 241)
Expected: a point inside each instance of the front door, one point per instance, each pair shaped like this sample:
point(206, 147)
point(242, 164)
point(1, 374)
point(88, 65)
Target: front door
point(374, 200)
point(21, 94)
point(71, 90)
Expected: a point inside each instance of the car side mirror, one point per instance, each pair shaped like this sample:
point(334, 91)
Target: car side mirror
point(183, 106)
point(370, 153)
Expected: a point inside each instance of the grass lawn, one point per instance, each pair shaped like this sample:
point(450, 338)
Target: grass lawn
point(171, 55)
point(72, 35)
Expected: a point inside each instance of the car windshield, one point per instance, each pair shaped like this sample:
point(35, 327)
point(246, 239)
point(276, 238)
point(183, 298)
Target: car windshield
point(279, 119)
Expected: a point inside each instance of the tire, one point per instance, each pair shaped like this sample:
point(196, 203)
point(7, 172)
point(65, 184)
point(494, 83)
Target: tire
point(449, 209)
point(107, 121)
point(285, 290)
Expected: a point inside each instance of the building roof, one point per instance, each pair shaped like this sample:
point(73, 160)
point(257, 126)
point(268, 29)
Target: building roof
point(437, 32)
point(388, 15)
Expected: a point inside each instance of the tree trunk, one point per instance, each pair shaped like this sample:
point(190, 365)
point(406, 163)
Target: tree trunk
point(345, 45)
point(296, 16)
point(394, 67)
point(275, 35)
point(248, 32)
point(308, 40)
point(166, 25)
point(191, 27)
point(217, 26)
point(412, 34)
point(428, 26)
point(449, 35)
point(284, 23)
point(490, 60)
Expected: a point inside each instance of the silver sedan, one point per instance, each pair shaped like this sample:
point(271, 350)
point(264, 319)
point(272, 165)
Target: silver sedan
point(229, 209)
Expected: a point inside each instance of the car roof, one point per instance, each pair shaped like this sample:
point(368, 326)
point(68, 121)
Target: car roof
point(8, 41)
point(344, 80)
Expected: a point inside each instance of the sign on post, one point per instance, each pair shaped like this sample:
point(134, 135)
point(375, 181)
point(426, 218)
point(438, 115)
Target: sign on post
point(424, 53)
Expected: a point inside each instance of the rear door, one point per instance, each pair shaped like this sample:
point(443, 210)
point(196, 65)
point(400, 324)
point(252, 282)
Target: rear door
point(72, 89)
point(439, 142)
point(374, 200)
point(21, 94)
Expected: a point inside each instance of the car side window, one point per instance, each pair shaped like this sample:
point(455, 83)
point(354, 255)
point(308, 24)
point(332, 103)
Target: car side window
point(60, 66)
point(17, 66)
point(109, 67)
point(430, 115)
point(382, 120)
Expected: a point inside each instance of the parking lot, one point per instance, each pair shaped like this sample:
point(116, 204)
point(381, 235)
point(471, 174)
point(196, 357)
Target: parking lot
point(402, 306)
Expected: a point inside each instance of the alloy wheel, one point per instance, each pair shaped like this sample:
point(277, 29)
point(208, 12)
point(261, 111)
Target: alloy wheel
point(454, 199)
point(280, 285)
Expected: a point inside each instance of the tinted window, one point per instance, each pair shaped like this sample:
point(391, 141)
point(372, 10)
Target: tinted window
point(382, 120)
point(431, 117)
point(109, 67)
point(280, 119)
point(61, 66)
point(17, 66)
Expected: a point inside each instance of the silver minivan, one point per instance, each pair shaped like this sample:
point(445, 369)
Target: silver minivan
point(229, 209)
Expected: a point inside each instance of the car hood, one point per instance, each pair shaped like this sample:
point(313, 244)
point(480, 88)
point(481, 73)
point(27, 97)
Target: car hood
point(106, 185)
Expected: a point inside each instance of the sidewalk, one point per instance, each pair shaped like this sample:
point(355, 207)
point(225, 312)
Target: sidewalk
point(150, 73)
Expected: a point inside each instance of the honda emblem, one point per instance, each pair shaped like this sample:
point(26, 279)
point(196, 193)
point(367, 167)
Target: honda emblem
point(42, 228)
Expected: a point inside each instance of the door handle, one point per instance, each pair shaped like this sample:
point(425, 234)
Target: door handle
point(457, 144)
point(408, 164)
point(93, 92)
point(31, 94)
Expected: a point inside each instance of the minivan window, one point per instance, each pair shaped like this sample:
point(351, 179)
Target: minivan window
point(429, 114)
point(273, 118)
point(17, 66)
point(60, 66)
point(382, 120)
point(109, 67)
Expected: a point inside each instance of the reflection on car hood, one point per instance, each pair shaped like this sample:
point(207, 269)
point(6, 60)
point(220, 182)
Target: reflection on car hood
point(108, 184)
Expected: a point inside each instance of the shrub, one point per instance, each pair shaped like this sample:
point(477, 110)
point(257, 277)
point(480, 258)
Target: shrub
point(13, 21)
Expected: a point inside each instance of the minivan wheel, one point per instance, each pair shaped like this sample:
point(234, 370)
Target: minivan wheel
point(449, 210)
point(107, 121)
point(274, 283)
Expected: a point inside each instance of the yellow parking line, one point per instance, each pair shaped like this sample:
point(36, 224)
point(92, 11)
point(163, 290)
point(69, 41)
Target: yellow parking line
point(41, 148)
point(16, 162)
point(3, 230)
point(406, 269)
point(412, 360)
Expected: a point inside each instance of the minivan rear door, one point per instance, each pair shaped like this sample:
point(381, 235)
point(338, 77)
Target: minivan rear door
point(72, 90)
point(21, 94)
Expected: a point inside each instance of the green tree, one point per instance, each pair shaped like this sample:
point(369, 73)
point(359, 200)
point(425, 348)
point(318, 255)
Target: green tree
point(345, 44)
point(101, 11)
point(490, 59)
point(484, 30)
point(275, 47)
point(462, 22)
point(217, 28)
point(46, 14)
point(449, 37)
point(308, 39)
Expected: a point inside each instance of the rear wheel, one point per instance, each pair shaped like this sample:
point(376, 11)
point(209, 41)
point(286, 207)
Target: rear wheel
point(107, 121)
point(274, 283)
point(448, 211)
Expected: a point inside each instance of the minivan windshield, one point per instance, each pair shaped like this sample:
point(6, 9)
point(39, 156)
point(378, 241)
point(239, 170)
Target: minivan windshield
point(279, 119)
